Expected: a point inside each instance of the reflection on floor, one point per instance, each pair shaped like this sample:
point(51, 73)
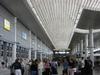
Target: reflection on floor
point(7, 72)
point(60, 70)
point(96, 71)
point(4, 71)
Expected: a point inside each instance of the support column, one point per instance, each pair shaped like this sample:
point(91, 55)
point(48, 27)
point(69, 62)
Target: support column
point(35, 55)
point(78, 47)
point(29, 56)
point(15, 41)
point(86, 46)
point(91, 45)
point(74, 50)
point(81, 48)
point(41, 56)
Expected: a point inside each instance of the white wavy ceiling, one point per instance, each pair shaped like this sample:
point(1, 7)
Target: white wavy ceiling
point(59, 17)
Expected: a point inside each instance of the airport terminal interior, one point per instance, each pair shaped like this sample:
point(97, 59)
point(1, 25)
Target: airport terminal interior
point(49, 37)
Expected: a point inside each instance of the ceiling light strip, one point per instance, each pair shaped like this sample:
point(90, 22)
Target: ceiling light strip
point(50, 10)
point(86, 1)
point(44, 12)
point(75, 8)
point(47, 11)
point(74, 26)
point(88, 4)
point(39, 12)
point(72, 8)
point(63, 16)
point(36, 7)
point(30, 4)
point(92, 3)
point(73, 29)
point(53, 10)
point(70, 37)
point(50, 14)
point(80, 10)
point(62, 10)
point(67, 7)
point(69, 4)
point(96, 5)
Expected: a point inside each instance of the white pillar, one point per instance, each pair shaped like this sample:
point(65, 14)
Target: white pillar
point(41, 51)
point(30, 35)
point(35, 55)
point(73, 49)
point(91, 45)
point(81, 48)
point(41, 56)
point(15, 41)
point(86, 46)
point(78, 47)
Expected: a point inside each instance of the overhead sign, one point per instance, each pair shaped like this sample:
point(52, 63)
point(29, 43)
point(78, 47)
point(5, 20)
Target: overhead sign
point(7, 25)
point(24, 35)
point(33, 43)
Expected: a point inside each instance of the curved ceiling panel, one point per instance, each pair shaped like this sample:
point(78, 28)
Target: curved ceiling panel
point(60, 17)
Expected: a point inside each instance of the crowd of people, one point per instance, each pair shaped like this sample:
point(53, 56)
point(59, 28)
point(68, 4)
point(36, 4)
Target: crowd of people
point(71, 66)
point(77, 67)
point(34, 67)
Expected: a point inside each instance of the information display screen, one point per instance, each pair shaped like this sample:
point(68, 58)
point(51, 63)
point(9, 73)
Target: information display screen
point(7, 25)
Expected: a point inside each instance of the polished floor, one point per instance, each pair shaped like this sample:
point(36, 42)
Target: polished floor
point(97, 71)
point(7, 72)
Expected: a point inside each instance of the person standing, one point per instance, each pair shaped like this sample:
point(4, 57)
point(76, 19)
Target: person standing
point(47, 67)
point(33, 68)
point(72, 66)
point(65, 67)
point(16, 66)
point(54, 67)
point(82, 66)
point(88, 70)
point(23, 66)
point(40, 68)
